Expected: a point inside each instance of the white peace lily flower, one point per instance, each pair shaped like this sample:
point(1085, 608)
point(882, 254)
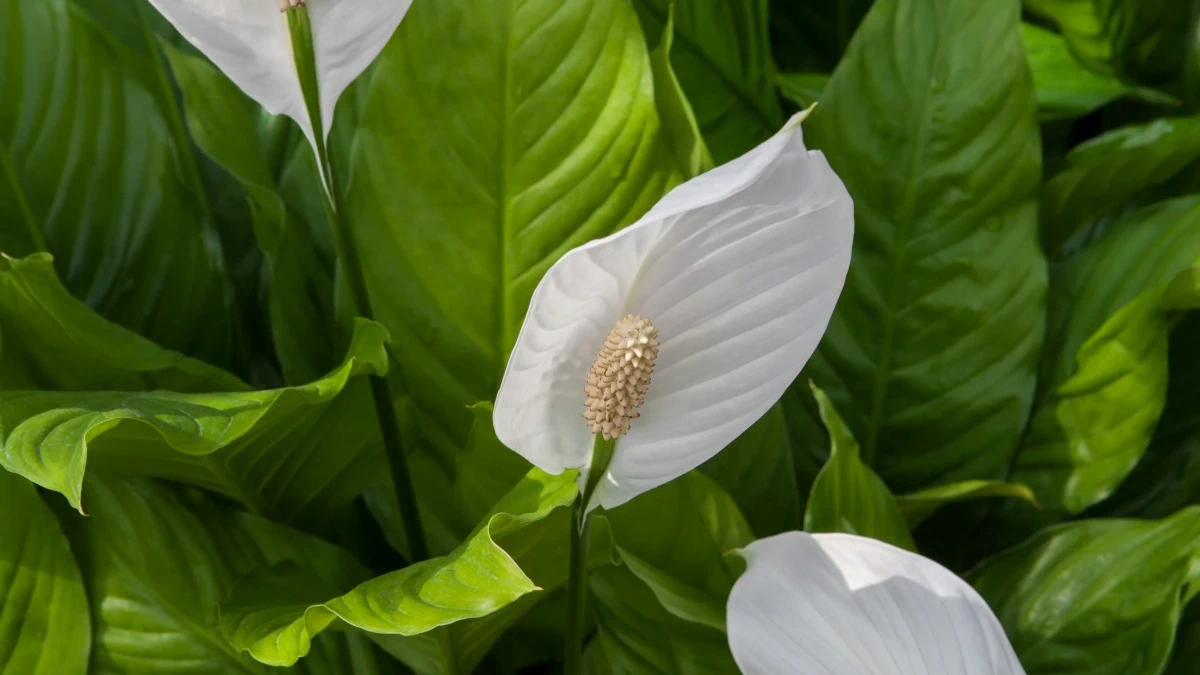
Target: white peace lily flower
point(722, 291)
point(250, 42)
point(839, 604)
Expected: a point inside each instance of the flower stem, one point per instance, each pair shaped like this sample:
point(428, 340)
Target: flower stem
point(602, 452)
point(381, 391)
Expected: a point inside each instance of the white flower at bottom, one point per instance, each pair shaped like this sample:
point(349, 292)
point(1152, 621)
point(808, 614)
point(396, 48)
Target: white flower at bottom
point(736, 272)
point(839, 604)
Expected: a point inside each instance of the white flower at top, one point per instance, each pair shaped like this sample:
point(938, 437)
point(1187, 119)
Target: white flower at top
point(250, 42)
point(720, 294)
point(840, 604)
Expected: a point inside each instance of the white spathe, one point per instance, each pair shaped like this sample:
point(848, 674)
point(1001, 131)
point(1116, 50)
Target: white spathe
point(840, 604)
point(249, 41)
point(739, 269)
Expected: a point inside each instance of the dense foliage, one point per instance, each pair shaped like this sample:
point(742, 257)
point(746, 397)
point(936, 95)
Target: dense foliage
point(1010, 383)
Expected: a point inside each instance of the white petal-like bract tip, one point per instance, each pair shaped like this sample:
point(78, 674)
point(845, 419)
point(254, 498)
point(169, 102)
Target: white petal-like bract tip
point(839, 604)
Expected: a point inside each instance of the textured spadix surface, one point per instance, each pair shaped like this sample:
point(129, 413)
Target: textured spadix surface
point(846, 605)
point(739, 269)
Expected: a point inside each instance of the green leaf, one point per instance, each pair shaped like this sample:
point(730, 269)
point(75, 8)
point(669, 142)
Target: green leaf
point(274, 616)
point(298, 454)
point(51, 340)
point(813, 34)
point(1095, 597)
point(757, 470)
point(222, 121)
point(930, 355)
point(847, 495)
point(1108, 171)
point(157, 562)
point(678, 118)
point(41, 587)
point(1132, 39)
point(1104, 370)
point(1187, 643)
point(803, 89)
point(639, 636)
point(534, 131)
point(722, 56)
point(919, 505)
point(1065, 89)
point(102, 167)
point(687, 571)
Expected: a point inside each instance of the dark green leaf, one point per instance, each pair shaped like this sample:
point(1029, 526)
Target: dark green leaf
point(813, 34)
point(1106, 172)
point(1096, 597)
point(804, 89)
point(1132, 39)
point(534, 130)
point(299, 454)
point(687, 570)
point(1065, 89)
point(723, 59)
point(102, 169)
point(919, 505)
point(156, 563)
point(930, 355)
point(847, 495)
point(274, 613)
point(757, 470)
point(51, 340)
point(41, 593)
point(301, 289)
point(1104, 370)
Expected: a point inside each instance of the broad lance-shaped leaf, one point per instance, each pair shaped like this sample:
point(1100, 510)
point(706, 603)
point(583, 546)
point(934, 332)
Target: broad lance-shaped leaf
point(273, 615)
point(95, 159)
point(919, 505)
point(51, 340)
point(156, 562)
point(461, 194)
point(847, 495)
point(1104, 370)
point(721, 54)
point(1132, 39)
point(1070, 615)
point(41, 592)
point(250, 41)
point(237, 443)
point(931, 354)
point(1105, 173)
point(1065, 88)
point(300, 288)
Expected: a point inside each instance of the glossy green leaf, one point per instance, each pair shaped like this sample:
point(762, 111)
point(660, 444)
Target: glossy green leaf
point(1133, 39)
point(1096, 597)
point(686, 571)
point(1104, 174)
point(271, 450)
point(1104, 371)
point(757, 470)
point(721, 54)
point(102, 166)
point(1065, 88)
point(300, 288)
point(847, 495)
point(51, 340)
point(804, 89)
point(273, 614)
point(638, 635)
point(157, 562)
point(919, 505)
point(40, 588)
point(533, 131)
point(930, 355)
